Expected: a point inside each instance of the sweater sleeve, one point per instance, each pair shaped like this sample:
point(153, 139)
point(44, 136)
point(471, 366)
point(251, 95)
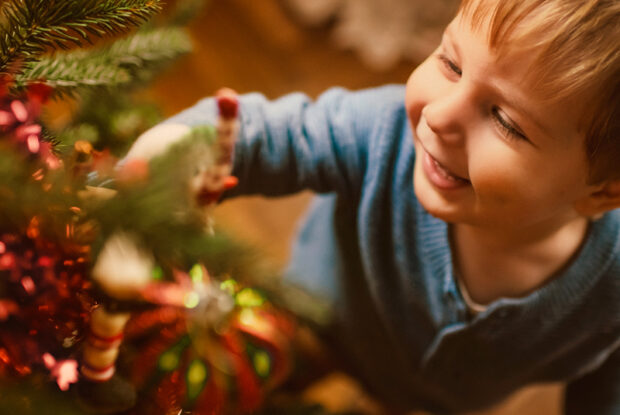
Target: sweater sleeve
point(294, 143)
point(598, 392)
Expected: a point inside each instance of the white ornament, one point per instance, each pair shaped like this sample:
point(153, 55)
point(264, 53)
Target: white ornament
point(122, 269)
point(157, 140)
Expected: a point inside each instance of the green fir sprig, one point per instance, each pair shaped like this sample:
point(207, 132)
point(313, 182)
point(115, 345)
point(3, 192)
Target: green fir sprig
point(66, 71)
point(149, 47)
point(108, 120)
point(32, 27)
point(119, 63)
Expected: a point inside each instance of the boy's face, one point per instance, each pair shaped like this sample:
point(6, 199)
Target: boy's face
point(488, 153)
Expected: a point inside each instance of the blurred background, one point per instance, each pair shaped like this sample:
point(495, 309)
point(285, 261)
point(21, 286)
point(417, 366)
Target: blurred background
point(280, 46)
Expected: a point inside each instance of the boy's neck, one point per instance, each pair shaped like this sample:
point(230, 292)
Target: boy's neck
point(494, 264)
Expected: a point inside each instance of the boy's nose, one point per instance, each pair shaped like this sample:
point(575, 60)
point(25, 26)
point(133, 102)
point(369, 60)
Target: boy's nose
point(447, 114)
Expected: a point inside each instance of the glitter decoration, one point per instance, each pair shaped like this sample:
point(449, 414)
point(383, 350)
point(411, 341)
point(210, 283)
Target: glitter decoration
point(46, 302)
point(19, 125)
point(28, 284)
point(65, 371)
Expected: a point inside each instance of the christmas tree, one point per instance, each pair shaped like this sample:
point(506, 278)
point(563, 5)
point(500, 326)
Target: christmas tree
point(93, 250)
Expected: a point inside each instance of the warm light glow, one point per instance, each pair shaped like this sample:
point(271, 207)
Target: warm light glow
point(191, 300)
point(168, 361)
point(28, 284)
point(33, 143)
point(196, 273)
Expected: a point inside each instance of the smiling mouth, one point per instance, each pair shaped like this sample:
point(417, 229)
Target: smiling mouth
point(440, 176)
point(446, 174)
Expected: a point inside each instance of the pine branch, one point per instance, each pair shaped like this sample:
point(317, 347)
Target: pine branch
point(150, 47)
point(110, 66)
point(34, 26)
point(78, 69)
point(108, 120)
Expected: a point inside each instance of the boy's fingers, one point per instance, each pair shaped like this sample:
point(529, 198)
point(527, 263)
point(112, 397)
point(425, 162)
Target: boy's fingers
point(227, 103)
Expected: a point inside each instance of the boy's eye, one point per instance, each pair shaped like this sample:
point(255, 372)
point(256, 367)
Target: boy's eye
point(506, 124)
point(451, 66)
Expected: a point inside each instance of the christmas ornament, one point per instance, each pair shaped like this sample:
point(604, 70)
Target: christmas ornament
point(220, 350)
point(121, 271)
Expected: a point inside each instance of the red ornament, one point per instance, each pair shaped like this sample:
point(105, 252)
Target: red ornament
point(38, 93)
point(218, 370)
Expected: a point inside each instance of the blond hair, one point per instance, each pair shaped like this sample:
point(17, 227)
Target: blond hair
point(576, 49)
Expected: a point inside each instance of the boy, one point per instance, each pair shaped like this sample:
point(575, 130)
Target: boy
point(499, 265)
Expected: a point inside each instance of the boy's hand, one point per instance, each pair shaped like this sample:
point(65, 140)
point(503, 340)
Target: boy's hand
point(212, 176)
point(158, 139)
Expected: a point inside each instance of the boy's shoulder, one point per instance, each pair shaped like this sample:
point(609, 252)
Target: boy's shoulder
point(385, 95)
point(373, 97)
point(371, 106)
point(602, 253)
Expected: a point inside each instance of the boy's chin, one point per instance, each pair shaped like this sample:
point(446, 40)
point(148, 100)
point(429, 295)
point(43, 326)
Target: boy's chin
point(433, 201)
point(442, 214)
point(434, 205)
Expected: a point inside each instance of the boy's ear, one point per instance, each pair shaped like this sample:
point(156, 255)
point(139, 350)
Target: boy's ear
point(603, 198)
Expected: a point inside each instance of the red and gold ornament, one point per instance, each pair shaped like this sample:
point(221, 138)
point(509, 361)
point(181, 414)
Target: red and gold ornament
point(212, 356)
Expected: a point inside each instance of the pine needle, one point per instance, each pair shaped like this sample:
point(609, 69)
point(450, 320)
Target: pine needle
point(153, 46)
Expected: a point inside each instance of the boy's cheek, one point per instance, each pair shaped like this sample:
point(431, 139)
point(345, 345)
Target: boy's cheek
point(500, 183)
point(412, 106)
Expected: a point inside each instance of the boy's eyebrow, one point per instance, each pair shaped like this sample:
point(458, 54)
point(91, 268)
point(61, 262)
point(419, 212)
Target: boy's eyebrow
point(447, 38)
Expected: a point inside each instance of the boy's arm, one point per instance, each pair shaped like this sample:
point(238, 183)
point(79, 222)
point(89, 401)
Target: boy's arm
point(598, 392)
point(294, 143)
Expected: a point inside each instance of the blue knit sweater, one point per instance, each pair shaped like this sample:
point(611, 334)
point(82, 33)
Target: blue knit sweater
point(385, 264)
